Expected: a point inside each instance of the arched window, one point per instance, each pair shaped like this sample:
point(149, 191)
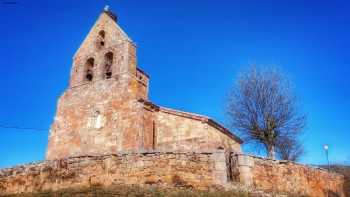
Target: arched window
point(102, 35)
point(89, 66)
point(108, 65)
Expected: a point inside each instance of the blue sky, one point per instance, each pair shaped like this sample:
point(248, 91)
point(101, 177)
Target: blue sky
point(193, 51)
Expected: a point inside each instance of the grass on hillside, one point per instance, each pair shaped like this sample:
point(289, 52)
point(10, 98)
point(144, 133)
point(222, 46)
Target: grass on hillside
point(130, 192)
point(135, 192)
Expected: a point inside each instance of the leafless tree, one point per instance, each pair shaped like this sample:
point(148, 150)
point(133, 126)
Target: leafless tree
point(262, 108)
point(289, 149)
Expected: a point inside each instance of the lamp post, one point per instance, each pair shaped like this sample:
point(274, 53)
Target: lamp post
point(326, 150)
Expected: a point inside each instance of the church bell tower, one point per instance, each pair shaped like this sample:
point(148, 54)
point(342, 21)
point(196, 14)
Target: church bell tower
point(98, 113)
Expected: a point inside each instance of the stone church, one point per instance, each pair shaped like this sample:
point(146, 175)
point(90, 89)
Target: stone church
point(107, 133)
point(106, 108)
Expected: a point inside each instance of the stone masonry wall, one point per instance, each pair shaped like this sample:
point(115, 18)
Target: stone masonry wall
point(115, 40)
point(168, 169)
point(285, 176)
point(100, 115)
point(175, 132)
point(95, 119)
point(198, 170)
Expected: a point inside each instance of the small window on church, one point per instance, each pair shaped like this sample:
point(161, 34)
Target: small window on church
point(102, 34)
point(108, 65)
point(101, 38)
point(89, 66)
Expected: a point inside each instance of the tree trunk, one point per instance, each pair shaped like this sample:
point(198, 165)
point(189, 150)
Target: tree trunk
point(271, 152)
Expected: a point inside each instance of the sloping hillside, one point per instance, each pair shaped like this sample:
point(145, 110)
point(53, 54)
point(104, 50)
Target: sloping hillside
point(132, 192)
point(135, 191)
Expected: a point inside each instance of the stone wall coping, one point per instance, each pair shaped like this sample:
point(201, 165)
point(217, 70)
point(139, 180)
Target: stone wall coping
point(143, 72)
point(118, 154)
point(146, 152)
point(165, 152)
point(285, 162)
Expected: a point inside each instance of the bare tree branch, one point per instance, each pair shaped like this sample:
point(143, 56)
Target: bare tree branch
point(262, 108)
point(289, 149)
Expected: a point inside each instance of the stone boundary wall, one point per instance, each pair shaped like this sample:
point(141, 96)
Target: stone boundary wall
point(198, 170)
point(202, 170)
point(286, 176)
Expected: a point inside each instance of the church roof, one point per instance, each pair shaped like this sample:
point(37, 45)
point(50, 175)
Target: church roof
point(194, 116)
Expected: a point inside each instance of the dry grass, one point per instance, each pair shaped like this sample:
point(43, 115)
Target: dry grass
point(131, 192)
point(135, 192)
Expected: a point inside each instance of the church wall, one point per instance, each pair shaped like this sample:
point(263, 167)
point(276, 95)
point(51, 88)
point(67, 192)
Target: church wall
point(143, 84)
point(218, 140)
point(100, 115)
point(148, 129)
point(178, 133)
point(175, 132)
point(97, 118)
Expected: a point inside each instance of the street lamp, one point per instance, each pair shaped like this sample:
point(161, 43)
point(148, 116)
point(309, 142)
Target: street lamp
point(326, 150)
